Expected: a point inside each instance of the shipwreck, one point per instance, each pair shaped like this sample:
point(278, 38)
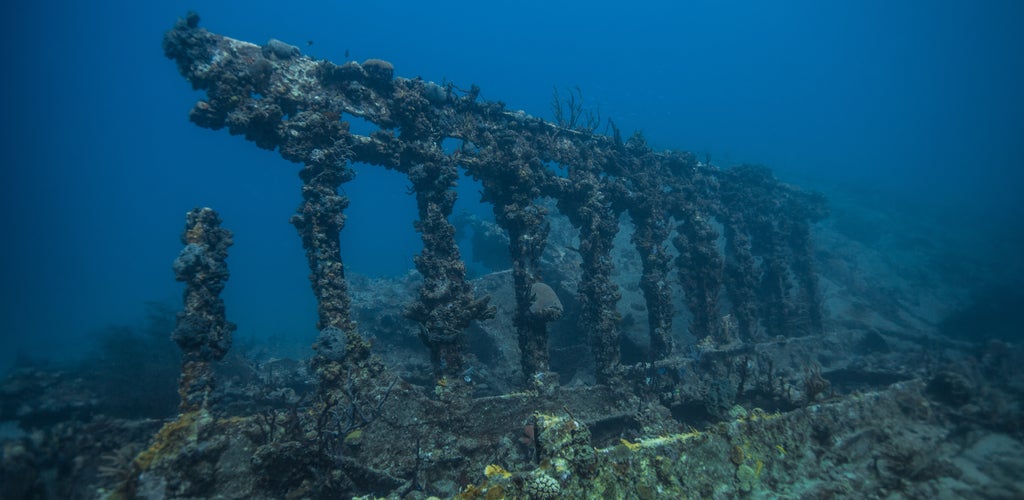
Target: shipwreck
point(724, 397)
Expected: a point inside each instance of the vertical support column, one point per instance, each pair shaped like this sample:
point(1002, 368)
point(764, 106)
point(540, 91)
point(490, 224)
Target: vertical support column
point(769, 220)
point(736, 207)
point(651, 231)
point(700, 271)
point(202, 331)
point(445, 306)
point(598, 295)
point(536, 302)
point(804, 209)
point(775, 282)
point(741, 277)
point(319, 221)
point(648, 205)
point(802, 265)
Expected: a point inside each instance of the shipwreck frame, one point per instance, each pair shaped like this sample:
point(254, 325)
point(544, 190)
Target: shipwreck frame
point(283, 101)
point(737, 232)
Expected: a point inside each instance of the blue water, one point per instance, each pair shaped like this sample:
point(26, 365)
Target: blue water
point(914, 101)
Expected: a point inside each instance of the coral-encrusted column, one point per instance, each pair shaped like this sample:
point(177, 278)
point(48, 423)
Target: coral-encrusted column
point(590, 211)
point(445, 306)
point(528, 231)
point(319, 221)
point(202, 330)
point(802, 210)
point(513, 186)
point(652, 229)
point(648, 208)
point(700, 269)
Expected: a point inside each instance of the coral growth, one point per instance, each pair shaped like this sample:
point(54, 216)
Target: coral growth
point(202, 330)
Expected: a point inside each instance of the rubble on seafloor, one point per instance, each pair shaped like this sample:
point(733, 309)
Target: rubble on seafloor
point(661, 330)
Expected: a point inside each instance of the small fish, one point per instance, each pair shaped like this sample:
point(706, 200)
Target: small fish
point(346, 53)
point(309, 42)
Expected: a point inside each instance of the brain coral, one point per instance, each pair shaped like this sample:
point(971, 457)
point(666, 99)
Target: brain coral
point(545, 302)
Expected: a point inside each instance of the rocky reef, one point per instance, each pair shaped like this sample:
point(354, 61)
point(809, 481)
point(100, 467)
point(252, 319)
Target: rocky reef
point(538, 381)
